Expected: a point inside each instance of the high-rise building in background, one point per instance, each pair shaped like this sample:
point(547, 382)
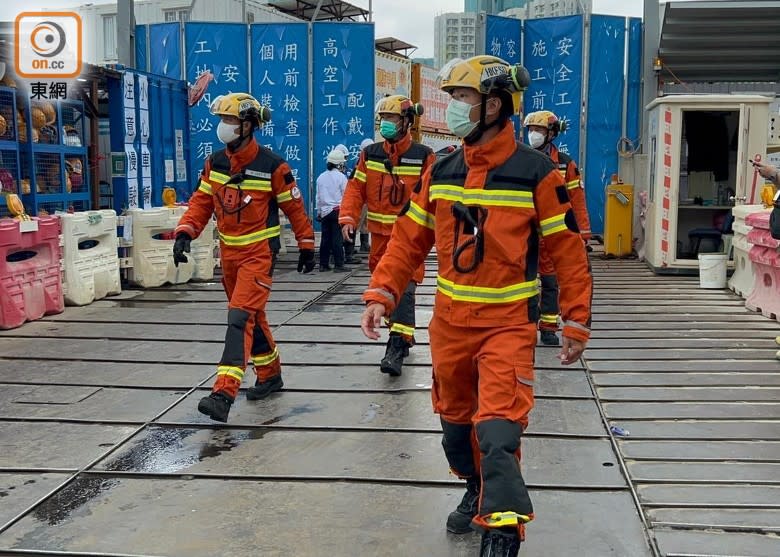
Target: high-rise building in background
point(454, 36)
point(535, 9)
point(492, 6)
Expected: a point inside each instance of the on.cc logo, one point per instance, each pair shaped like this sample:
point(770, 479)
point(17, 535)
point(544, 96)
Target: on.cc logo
point(48, 45)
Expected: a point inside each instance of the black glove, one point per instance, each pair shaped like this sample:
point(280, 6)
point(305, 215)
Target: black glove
point(306, 261)
point(181, 245)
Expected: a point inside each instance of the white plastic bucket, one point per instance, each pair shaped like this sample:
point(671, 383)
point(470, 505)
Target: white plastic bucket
point(712, 270)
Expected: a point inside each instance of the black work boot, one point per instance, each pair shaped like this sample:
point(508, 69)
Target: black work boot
point(397, 350)
point(549, 338)
point(264, 388)
point(216, 406)
point(459, 521)
point(364, 245)
point(500, 542)
point(349, 254)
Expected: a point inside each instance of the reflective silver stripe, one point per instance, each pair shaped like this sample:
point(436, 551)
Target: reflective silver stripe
point(500, 198)
point(421, 216)
point(246, 239)
point(553, 224)
point(485, 294)
point(382, 292)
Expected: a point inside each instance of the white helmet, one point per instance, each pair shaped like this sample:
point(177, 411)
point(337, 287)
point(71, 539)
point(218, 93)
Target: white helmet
point(336, 156)
point(365, 143)
point(343, 148)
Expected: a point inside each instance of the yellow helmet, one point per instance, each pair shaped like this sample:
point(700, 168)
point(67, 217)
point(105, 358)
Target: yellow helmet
point(545, 119)
point(241, 105)
point(399, 104)
point(486, 74)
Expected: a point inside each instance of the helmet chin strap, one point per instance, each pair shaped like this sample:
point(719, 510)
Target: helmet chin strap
point(236, 143)
point(482, 127)
point(401, 132)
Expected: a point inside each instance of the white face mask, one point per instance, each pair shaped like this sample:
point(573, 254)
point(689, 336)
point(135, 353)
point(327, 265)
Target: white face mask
point(536, 139)
point(226, 132)
point(458, 118)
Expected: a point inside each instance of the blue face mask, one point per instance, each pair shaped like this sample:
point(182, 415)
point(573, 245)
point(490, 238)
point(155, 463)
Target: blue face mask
point(458, 118)
point(388, 130)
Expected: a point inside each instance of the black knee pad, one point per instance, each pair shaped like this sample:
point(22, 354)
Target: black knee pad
point(456, 442)
point(501, 435)
point(237, 318)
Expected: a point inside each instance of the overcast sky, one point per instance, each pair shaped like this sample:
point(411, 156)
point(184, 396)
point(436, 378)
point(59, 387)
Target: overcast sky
point(408, 20)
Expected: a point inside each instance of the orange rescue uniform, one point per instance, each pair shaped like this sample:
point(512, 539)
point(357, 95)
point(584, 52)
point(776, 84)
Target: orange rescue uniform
point(548, 319)
point(486, 206)
point(248, 222)
point(384, 178)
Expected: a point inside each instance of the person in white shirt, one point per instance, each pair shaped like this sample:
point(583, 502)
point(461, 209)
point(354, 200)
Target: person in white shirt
point(330, 190)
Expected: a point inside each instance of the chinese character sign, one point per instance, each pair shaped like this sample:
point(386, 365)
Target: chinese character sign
point(129, 104)
point(343, 87)
point(553, 56)
point(605, 110)
point(221, 49)
point(393, 76)
point(502, 38)
point(434, 100)
point(280, 71)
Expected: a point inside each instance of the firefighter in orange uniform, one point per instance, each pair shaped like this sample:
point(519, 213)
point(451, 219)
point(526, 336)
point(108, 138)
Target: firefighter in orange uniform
point(543, 128)
point(386, 174)
point(484, 208)
point(245, 185)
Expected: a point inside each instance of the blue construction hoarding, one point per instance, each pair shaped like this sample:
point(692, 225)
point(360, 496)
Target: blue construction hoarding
point(280, 70)
point(605, 110)
point(553, 56)
point(554, 53)
point(220, 48)
point(343, 109)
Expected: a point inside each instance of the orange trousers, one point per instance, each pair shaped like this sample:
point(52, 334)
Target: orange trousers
point(379, 247)
point(402, 321)
point(248, 337)
point(548, 299)
point(483, 391)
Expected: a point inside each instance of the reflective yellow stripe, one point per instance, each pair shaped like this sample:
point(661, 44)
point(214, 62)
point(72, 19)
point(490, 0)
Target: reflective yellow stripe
point(397, 170)
point(249, 184)
point(204, 187)
point(549, 318)
point(247, 239)
point(421, 216)
point(379, 217)
point(487, 295)
point(554, 224)
point(403, 329)
point(562, 172)
point(284, 197)
point(265, 359)
point(218, 177)
point(253, 185)
point(499, 520)
point(361, 176)
point(573, 184)
point(231, 371)
point(498, 198)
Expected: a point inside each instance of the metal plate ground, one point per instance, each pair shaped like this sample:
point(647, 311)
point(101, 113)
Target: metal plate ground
point(346, 461)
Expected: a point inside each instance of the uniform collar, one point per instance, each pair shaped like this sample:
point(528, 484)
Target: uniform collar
point(395, 150)
point(241, 158)
point(495, 152)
